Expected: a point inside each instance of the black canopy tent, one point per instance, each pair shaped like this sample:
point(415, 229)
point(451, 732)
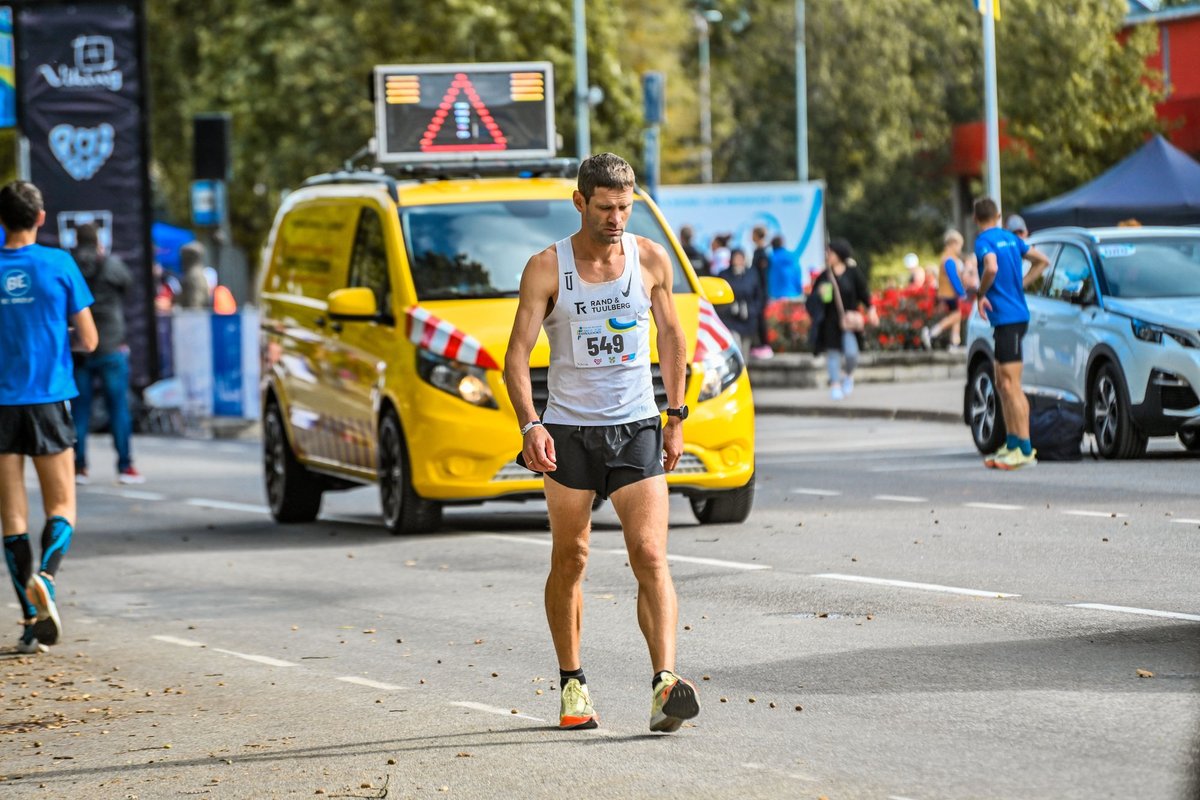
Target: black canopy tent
point(1159, 184)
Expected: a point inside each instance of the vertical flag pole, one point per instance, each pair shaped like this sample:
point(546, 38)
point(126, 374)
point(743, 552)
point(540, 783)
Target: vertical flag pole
point(801, 97)
point(583, 131)
point(991, 109)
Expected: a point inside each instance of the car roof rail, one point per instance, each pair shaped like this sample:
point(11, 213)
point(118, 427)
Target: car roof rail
point(532, 167)
point(356, 176)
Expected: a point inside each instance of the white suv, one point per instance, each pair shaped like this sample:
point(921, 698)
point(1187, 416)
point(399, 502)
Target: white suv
point(1114, 331)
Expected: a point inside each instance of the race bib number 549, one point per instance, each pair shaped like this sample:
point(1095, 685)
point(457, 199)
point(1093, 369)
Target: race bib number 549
point(604, 343)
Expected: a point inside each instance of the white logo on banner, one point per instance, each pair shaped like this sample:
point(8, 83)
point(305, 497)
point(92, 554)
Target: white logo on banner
point(69, 222)
point(95, 66)
point(81, 151)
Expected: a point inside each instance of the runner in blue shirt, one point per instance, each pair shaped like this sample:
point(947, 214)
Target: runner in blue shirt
point(1001, 302)
point(42, 297)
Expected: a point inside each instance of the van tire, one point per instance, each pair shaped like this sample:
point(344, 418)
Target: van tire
point(293, 493)
point(404, 511)
point(1117, 435)
point(1190, 439)
point(731, 506)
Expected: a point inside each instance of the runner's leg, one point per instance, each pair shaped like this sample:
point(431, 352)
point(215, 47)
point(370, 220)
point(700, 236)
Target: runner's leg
point(570, 527)
point(643, 510)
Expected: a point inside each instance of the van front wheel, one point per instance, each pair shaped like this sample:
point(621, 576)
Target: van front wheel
point(403, 510)
point(293, 493)
point(731, 506)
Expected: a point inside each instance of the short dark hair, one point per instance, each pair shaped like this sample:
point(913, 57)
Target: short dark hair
point(20, 205)
point(777, 242)
point(87, 236)
point(604, 171)
point(842, 249)
point(986, 210)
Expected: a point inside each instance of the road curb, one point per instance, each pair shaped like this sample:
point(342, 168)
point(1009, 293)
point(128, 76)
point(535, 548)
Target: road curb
point(858, 412)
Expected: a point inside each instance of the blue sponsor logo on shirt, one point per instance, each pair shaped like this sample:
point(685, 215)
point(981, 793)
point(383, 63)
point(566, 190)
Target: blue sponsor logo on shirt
point(17, 283)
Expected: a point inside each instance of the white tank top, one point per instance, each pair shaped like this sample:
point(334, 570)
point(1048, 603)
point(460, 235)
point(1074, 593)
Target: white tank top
point(599, 345)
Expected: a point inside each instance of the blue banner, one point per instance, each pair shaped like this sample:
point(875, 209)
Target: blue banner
point(227, 365)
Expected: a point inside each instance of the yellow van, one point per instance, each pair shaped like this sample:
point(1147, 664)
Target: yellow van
point(386, 308)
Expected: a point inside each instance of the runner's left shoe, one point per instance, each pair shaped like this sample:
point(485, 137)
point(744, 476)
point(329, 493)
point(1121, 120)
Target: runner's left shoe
point(48, 626)
point(674, 701)
point(28, 643)
point(1015, 459)
point(576, 712)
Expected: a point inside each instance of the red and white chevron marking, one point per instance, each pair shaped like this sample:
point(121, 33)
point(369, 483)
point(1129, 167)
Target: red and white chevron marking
point(443, 339)
point(712, 335)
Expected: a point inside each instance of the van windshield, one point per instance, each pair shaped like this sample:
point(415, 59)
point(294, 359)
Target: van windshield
point(1144, 268)
point(477, 250)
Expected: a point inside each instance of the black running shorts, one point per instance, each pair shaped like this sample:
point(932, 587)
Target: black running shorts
point(1008, 342)
point(605, 458)
point(43, 429)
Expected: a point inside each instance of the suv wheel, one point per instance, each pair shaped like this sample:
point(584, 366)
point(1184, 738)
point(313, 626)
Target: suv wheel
point(293, 493)
point(403, 510)
point(1116, 434)
point(1190, 438)
point(985, 412)
point(729, 506)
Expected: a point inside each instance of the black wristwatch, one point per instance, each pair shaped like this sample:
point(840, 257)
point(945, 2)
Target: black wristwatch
point(681, 412)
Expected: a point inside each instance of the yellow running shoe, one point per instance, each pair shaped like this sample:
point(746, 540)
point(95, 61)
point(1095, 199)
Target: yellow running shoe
point(674, 701)
point(1015, 459)
point(577, 713)
point(990, 460)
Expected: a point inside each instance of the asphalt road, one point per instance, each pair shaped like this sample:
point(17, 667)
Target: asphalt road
point(893, 622)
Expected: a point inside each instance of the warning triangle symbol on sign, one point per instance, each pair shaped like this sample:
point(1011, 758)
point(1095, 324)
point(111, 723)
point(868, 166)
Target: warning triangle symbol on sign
point(459, 134)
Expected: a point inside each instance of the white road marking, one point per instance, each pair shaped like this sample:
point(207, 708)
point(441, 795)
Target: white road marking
point(780, 458)
point(1145, 612)
point(817, 492)
point(178, 641)
point(1078, 513)
point(503, 712)
point(918, 468)
point(387, 687)
point(270, 662)
point(897, 797)
point(225, 505)
point(994, 506)
point(900, 498)
point(931, 587)
point(710, 562)
point(1186, 521)
point(134, 494)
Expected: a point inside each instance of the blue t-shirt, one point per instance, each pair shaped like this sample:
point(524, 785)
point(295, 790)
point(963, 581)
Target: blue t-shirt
point(950, 266)
point(1006, 294)
point(784, 278)
point(41, 288)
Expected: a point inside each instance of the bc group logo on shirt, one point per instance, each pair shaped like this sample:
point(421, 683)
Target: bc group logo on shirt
point(16, 283)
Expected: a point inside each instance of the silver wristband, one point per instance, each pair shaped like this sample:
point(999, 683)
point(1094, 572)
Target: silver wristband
point(528, 426)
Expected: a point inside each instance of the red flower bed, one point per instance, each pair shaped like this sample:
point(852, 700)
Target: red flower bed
point(902, 314)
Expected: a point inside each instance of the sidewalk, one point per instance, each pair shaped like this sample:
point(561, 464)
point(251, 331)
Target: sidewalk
point(929, 401)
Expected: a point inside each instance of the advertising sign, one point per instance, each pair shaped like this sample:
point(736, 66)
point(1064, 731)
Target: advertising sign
point(81, 106)
point(8, 80)
point(456, 112)
point(795, 211)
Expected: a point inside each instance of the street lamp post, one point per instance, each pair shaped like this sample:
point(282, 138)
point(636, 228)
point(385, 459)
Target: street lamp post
point(801, 97)
point(706, 157)
point(583, 132)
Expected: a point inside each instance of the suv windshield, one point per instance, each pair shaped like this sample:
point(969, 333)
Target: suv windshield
point(474, 250)
point(1160, 267)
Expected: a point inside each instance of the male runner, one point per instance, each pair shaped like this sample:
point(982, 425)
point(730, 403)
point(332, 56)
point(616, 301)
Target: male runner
point(1001, 302)
point(601, 434)
point(42, 295)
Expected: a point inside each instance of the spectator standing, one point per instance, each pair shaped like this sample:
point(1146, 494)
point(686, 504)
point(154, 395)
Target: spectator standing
point(760, 264)
point(950, 293)
point(742, 315)
point(687, 239)
point(785, 281)
point(43, 314)
point(720, 253)
point(838, 298)
point(108, 279)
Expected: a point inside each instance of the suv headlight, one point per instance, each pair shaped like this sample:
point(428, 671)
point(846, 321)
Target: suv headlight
point(464, 381)
point(720, 372)
point(1149, 332)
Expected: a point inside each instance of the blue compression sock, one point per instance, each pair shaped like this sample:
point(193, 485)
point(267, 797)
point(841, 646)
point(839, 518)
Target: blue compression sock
point(1012, 442)
point(1026, 447)
point(56, 538)
point(19, 557)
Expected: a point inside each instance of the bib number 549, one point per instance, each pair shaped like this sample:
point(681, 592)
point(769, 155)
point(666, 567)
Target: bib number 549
point(604, 344)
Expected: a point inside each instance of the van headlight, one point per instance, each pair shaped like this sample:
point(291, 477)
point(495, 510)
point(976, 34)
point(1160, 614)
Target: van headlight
point(464, 381)
point(1149, 332)
point(721, 370)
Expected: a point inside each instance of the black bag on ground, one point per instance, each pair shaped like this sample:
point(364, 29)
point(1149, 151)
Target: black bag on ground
point(1056, 430)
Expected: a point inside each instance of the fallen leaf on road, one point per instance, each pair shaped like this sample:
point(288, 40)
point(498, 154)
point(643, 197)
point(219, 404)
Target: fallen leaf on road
point(1145, 673)
point(463, 755)
point(368, 630)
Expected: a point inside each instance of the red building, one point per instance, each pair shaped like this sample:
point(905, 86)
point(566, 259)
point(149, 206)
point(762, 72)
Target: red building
point(1179, 60)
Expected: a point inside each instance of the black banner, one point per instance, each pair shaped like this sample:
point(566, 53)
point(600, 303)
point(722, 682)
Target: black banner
point(81, 105)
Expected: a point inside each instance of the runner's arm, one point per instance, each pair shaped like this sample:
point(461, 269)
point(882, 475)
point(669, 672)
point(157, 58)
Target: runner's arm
point(539, 283)
point(84, 337)
point(672, 345)
point(952, 274)
point(1038, 263)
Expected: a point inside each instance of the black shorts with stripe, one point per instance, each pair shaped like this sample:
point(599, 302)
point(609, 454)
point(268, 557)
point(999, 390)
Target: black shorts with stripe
point(42, 429)
point(605, 458)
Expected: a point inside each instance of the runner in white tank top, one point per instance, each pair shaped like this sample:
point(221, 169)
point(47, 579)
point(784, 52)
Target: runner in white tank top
point(601, 436)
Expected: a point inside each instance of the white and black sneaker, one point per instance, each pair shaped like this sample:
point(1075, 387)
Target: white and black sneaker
point(47, 627)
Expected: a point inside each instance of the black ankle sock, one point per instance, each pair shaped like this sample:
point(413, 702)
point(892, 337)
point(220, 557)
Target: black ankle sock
point(19, 557)
point(658, 677)
point(56, 538)
point(566, 675)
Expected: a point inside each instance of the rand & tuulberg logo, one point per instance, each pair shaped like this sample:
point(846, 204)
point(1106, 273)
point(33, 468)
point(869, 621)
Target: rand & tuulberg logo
point(95, 66)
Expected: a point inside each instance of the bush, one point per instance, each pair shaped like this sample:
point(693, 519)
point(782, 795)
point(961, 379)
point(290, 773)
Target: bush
point(788, 324)
point(902, 314)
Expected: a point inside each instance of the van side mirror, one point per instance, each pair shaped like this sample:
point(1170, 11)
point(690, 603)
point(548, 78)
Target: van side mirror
point(353, 305)
point(717, 290)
